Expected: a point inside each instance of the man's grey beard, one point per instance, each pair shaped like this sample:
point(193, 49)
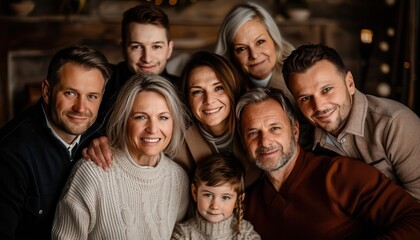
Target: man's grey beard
point(285, 158)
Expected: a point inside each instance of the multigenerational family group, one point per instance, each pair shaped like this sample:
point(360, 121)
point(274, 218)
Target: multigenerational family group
point(256, 140)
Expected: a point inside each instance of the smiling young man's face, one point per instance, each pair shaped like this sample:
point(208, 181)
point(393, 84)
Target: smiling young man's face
point(73, 103)
point(147, 48)
point(323, 95)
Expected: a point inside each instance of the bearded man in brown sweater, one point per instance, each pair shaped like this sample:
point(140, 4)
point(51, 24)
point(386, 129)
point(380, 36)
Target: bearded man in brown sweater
point(308, 196)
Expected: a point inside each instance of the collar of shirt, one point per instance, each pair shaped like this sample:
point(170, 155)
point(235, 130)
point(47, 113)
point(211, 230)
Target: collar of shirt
point(261, 82)
point(357, 117)
point(69, 147)
point(140, 166)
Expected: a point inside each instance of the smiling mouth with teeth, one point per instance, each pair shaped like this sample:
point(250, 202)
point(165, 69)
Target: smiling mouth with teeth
point(212, 111)
point(151, 140)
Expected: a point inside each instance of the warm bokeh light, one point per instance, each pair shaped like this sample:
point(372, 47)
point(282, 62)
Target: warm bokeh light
point(385, 69)
point(390, 31)
point(383, 89)
point(384, 46)
point(366, 36)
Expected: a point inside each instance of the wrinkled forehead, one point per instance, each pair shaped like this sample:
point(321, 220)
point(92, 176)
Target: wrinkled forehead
point(268, 112)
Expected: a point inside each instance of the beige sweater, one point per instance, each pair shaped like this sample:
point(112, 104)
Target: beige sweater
point(197, 228)
point(126, 202)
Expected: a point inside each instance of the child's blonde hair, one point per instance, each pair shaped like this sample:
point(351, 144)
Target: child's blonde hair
point(218, 170)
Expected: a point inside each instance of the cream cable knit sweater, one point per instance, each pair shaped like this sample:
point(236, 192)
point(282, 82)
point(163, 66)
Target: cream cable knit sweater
point(126, 202)
point(197, 228)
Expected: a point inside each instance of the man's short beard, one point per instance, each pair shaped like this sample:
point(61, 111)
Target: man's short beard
point(284, 159)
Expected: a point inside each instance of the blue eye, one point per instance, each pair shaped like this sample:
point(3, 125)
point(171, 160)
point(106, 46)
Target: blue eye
point(139, 117)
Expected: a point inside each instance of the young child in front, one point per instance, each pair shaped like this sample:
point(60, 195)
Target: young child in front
point(218, 191)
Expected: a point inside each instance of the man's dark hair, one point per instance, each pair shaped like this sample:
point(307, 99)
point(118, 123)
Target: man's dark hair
point(144, 14)
point(80, 55)
point(305, 56)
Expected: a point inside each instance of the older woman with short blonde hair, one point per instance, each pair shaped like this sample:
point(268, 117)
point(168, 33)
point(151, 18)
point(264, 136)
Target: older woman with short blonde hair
point(144, 193)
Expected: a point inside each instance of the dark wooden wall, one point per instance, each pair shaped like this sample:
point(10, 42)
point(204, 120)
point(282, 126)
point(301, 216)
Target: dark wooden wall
point(27, 42)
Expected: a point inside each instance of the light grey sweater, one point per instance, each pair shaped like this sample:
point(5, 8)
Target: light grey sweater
point(197, 228)
point(126, 202)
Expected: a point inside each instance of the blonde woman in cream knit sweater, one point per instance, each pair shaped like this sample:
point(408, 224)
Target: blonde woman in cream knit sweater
point(144, 193)
point(218, 190)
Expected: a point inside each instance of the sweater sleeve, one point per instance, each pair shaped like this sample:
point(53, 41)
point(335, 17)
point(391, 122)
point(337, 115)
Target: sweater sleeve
point(361, 192)
point(178, 233)
point(401, 141)
point(75, 215)
point(183, 186)
point(14, 181)
point(248, 231)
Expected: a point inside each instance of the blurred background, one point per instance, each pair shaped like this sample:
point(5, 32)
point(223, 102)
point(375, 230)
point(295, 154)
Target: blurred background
point(377, 39)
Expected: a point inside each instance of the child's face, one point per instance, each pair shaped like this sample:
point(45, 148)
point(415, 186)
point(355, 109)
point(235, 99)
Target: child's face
point(215, 204)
